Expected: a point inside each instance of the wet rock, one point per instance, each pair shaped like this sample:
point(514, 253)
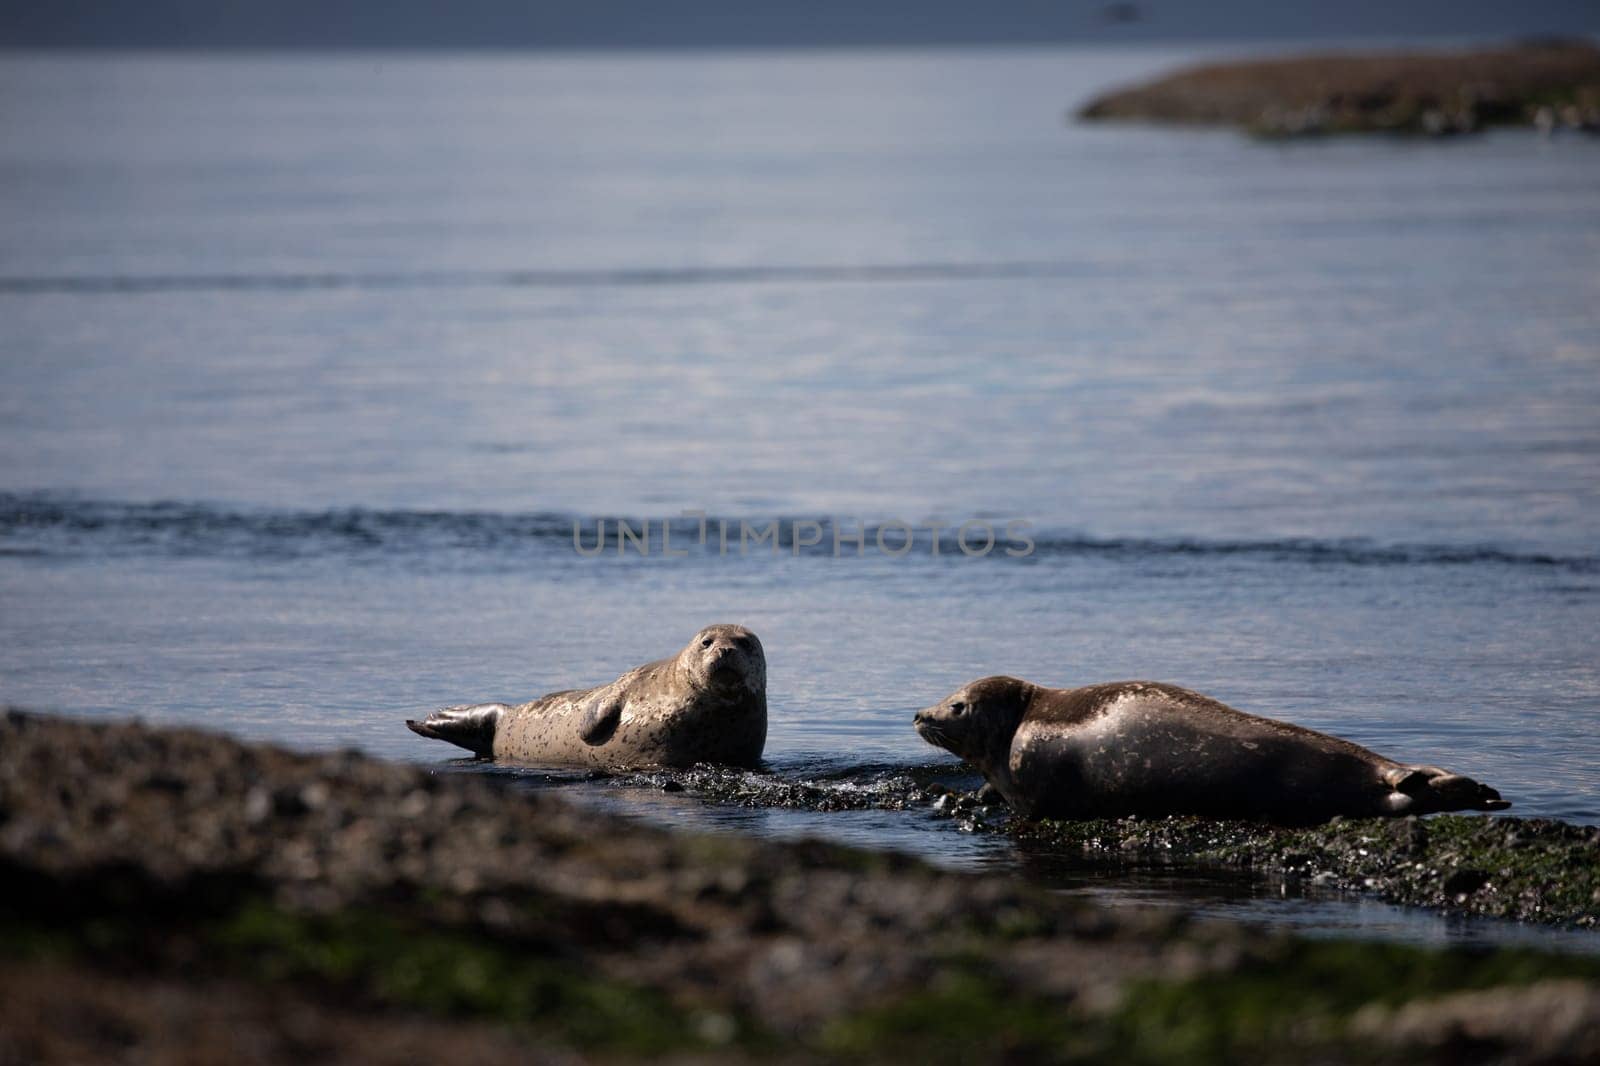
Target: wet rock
point(165, 783)
point(1551, 875)
point(1464, 882)
point(1412, 837)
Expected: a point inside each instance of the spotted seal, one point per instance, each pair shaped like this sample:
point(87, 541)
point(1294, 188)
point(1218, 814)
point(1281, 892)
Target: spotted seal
point(1138, 747)
point(708, 704)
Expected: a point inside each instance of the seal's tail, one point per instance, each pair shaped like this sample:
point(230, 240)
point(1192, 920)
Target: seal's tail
point(1428, 790)
point(472, 727)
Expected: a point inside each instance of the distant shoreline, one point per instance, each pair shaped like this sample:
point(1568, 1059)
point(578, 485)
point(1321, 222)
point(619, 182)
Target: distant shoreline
point(1551, 86)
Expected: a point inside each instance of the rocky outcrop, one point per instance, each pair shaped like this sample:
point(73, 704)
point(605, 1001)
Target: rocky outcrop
point(169, 895)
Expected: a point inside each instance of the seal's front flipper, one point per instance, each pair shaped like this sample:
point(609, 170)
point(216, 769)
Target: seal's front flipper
point(1428, 790)
point(472, 727)
point(599, 722)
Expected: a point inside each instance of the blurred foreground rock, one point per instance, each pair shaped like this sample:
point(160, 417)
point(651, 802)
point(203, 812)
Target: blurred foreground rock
point(168, 895)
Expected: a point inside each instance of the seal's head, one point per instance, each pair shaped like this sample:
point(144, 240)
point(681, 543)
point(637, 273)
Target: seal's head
point(725, 658)
point(978, 720)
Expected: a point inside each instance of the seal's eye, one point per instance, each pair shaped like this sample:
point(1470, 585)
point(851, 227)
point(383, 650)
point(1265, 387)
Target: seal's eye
point(706, 643)
point(958, 707)
point(743, 642)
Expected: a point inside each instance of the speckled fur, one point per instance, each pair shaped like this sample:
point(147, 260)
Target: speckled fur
point(1139, 747)
point(707, 704)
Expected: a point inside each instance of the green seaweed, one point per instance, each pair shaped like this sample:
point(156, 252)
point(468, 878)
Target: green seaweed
point(1295, 1001)
point(1307, 994)
point(964, 1015)
point(408, 964)
point(384, 961)
point(1282, 994)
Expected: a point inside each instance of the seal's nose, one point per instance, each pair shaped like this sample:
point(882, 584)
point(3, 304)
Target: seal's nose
point(724, 659)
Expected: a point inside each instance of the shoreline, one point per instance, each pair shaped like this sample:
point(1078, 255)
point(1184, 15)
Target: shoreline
point(144, 868)
point(1548, 85)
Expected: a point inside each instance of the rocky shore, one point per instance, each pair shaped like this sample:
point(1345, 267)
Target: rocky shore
point(168, 895)
point(1532, 870)
point(1524, 869)
point(1550, 85)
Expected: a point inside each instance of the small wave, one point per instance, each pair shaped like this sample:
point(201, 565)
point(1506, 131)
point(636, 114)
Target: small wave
point(50, 524)
point(92, 284)
point(1353, 551)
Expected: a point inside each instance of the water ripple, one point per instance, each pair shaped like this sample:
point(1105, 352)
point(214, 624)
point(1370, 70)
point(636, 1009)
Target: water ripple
point(51, 524)
point(89, 284)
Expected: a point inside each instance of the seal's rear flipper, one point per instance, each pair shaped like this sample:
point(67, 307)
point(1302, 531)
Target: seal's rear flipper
point(1428, 790)
point(471, 727)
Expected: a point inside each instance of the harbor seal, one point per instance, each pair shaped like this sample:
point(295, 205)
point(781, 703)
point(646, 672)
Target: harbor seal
point(708, 703)
point(1138, 747)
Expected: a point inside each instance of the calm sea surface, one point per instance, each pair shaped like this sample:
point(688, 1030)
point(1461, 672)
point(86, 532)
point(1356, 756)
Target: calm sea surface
point(307, 366)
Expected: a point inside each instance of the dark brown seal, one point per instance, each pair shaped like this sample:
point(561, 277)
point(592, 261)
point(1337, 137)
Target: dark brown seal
point(1137, 747)
point(708, 704)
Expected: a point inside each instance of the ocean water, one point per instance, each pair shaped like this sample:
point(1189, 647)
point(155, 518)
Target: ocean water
point(310, 365)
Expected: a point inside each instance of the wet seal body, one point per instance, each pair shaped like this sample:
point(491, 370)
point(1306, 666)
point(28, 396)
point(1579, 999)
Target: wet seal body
point(1139, 747)
point(707, 704)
